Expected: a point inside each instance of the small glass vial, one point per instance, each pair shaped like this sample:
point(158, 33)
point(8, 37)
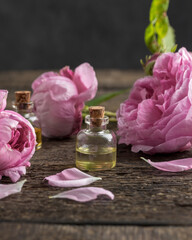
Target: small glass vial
point(24, 106)
point(96, 145)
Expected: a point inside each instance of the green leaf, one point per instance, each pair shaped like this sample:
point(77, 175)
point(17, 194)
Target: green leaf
point(151, 39)
point(149, 68)
point(149, 36)
point(159, 35)
point(174, 48)
point(158, 7)
point(169, 40)
point(161, 26)
point(105, 97)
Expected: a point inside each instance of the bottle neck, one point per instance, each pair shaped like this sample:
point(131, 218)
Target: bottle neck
point(95, 128)
point(23, 108)
point(96, 125)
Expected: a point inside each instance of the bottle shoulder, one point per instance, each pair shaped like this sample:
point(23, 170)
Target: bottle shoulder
point(32, 118)
point(104, 135)
point(88, 132)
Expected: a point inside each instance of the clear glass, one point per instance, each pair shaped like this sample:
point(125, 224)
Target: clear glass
point(26, 110)
point(96, 147)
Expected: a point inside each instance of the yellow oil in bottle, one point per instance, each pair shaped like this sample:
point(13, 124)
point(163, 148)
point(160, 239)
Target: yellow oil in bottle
point(38, 138)
point(103, 159)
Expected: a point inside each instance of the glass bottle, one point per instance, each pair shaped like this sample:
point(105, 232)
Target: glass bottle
point(96, 145)
point(24, 107)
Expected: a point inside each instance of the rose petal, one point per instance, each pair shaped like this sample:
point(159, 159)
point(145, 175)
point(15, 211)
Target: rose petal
point(28, 151)
point(86, 81)
point(3, 99)
point(54, 107)
point(66, 72)
point(54, 115)
point(8, 157)
point(172, 166)
point(71, 177)
point(7, 125)
point(43, 78)
point(14, 173)
point(17, 144)
point(84, 194)
point(8, 189)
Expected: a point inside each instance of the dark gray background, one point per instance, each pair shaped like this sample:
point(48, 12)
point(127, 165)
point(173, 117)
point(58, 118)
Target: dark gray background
point(48, 34)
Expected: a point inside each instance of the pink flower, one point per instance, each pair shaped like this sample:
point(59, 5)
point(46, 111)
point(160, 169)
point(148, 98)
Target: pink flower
point(59, 99)
point(17, 142)
point(157, 116)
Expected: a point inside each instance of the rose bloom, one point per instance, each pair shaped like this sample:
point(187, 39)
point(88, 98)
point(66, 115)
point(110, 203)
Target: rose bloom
point(59, 99)
point(17, 142)
point(157, 116)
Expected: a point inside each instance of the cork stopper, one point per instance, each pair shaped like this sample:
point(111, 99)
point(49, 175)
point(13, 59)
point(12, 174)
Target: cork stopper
point(96, 115)
point(22, 98)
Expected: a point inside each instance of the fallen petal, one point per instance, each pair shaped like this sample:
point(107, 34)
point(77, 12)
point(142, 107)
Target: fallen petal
point(172, 166)
point(71, 177)
point(84, 194)
point(14, 173)
point(8, 189)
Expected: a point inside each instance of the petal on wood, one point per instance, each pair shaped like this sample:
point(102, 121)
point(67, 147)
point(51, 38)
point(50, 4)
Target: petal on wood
point(84, 194)
point(179, 165)
point(71, 177)
point(14, 173)
point(8, 189)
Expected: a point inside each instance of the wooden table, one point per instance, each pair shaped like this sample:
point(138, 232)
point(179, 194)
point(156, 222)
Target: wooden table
point(148, 204)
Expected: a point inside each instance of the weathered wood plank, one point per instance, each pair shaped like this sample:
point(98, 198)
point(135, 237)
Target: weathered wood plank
point(143, 195)
point(87, 232)
point(111, 78)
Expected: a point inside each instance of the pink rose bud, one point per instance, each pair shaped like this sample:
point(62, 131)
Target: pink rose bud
point(17, 142)
point(59, 99)
point(157, 116)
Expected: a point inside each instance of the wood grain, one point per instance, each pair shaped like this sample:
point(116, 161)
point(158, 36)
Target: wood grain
point(148, 203)
point(88, 232)
point(143, 195)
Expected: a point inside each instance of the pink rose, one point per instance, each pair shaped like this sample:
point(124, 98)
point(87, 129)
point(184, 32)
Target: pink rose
point(157, 117)
point(59, 99)
point(17, 142)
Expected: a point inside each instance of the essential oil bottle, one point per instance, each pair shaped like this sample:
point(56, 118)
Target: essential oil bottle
point(96, 145)
point(24, 106)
